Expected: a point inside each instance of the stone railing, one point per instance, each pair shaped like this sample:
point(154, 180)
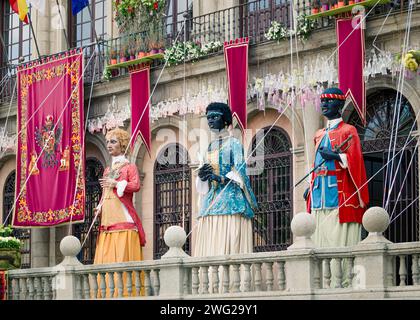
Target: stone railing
point(374, 269)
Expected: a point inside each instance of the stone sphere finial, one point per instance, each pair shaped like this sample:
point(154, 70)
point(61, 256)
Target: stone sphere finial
point(70, 246)
point(376, 219)
point(303, 227)
point(303, 224)
point(175, 238)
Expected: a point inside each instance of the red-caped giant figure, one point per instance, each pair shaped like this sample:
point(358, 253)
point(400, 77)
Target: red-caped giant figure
point(338, 193)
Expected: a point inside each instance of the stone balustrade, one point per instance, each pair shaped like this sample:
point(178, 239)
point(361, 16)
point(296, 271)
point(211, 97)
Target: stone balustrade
point(375, 268)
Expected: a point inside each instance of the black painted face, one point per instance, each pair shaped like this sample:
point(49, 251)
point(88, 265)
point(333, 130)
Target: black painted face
point(331, 108)
point(215, 121)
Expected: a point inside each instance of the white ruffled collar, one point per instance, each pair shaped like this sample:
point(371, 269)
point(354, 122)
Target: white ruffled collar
point(119, 159)
point(333, 123)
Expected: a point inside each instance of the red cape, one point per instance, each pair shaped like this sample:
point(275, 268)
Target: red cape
point(352, 197)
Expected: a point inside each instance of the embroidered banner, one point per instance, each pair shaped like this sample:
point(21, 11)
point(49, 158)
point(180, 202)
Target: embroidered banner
point(140, 105)
point(351, 60)
point(236, 57)
point(49, 190)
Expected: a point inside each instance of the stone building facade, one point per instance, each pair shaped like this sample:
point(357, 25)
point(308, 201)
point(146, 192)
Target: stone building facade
point(168, 195)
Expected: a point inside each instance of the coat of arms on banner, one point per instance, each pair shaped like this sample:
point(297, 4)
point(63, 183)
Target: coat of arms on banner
point(48, 138)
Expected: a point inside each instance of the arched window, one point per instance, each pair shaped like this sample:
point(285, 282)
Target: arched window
point(22, 234)
point(270, 168)
point(172, 200)
point(375, 139)
point(94, 171)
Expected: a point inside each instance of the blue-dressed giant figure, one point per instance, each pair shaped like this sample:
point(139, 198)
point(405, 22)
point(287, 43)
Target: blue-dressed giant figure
point(228, 202)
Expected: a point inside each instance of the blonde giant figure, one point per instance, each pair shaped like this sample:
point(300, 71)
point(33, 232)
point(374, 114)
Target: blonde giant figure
point(121, 236)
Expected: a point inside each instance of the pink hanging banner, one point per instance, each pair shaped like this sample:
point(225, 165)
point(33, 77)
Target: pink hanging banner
point(351, 61)
point(236, 57)
point(49, 190)
point(140, 104)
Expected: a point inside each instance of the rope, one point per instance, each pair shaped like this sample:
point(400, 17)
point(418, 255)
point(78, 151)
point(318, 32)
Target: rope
point(86, 125)
point(397, 107)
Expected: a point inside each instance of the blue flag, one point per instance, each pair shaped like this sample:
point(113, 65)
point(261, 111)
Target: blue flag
point(78, 5)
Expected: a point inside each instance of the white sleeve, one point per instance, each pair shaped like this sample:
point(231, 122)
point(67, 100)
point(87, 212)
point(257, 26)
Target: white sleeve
point(343, 163)
point(202, 186)
point(121, 185)
point(233, 175)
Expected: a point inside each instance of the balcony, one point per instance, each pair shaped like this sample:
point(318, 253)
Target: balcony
point(250, 20)
point(374, 269)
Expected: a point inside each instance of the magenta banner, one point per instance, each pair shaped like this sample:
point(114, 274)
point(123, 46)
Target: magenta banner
point(236, 57)
point(351, 60)
point(49, 190)
point(140, 104)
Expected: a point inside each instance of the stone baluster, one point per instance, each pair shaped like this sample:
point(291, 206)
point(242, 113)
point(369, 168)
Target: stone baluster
point(46, 285)
point(147, 283)
point(403, 271)
point(415, 269)
point(317, 274)
point(349, 275)
point(38, 288)
point(94, 278)
point(111, 284)
point(226, 278)
point(282, 276)
point(102, 284)
point(156, 282)
point(215, 279)
point(205, 281)
point(327, 273)
point(390, 280)
point(30, 285)
point(23, 289)
point(54, 291)
point(78, 287)
point(86, 288)
point(120, 284)
point(15, 289)
point(258, 277)
point(247, 277)
point(195, 281)
point(236, 278)
point(129, 283)
point(187, 281)
point(137, 276)
point(339, 272)
point(270, 277)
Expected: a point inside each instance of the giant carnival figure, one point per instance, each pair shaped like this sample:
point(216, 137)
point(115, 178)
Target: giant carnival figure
point(121, 236)
point(227, 208)
point(338, 193)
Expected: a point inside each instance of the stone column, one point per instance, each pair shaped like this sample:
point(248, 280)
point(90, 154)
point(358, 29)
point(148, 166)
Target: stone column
point(300, 267)
point(40, 248)
point(371, 261)
point(172, 274)
point(65, 281)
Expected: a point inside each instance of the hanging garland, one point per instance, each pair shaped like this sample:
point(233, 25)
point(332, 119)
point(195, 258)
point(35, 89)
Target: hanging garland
point(278, 31)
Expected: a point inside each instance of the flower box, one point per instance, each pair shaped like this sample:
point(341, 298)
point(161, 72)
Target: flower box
point(9, 259)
